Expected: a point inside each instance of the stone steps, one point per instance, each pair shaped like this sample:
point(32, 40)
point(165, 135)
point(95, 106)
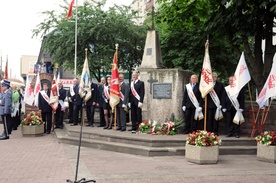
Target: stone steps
point(144, 144)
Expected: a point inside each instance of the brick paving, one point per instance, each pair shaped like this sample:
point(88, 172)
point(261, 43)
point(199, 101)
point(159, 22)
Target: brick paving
point(43, 160)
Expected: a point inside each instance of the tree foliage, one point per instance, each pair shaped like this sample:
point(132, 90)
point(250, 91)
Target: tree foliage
point(233, 26)
point(98, 30)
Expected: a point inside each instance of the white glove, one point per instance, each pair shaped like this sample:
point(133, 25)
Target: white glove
point(124, 106)
point(140, 105)
point(224, 110)
point(199, 109)
point(220, 107)
point(184, 108)
point(241, 110)
point(129, 105)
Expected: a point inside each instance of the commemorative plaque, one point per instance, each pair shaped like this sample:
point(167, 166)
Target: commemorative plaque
point(162, 90)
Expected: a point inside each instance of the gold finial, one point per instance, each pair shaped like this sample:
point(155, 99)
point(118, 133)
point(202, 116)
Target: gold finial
point(116, 45)
point(86, 52)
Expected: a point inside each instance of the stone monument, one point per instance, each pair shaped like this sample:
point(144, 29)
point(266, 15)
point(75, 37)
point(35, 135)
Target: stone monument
point(164, 88)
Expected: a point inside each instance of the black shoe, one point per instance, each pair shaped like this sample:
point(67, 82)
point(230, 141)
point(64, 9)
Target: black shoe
point(48, 132)
point(4, 137)
point(56, 127)
point(14, 129)
point(73, 124)
point(100, 126)
point(87, 125)
point(237, 136)
point(109, 128)
point(118, 128)
point(229, 135)
point(131, 130)
point(61, 127)
point(123, 130)
point(105, 127)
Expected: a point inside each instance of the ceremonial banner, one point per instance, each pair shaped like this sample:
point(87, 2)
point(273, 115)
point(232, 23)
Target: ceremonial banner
point(70, 9)
point(85, 83)
point(206, 80)
point(54, 94)
point(6, 75)
point(114, 88)
point(269, 89)
point(37, 88)
point(29, 92)
point(241, 77)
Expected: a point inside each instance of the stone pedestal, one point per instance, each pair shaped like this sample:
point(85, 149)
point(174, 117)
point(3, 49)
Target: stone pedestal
point(266, 153)
point(202, 154)
point(32, 131)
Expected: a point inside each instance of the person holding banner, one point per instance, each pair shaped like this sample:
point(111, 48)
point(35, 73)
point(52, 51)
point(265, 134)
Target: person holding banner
point(6, 108)
point(106, 105)
point(122, 106)
point(233, 106)
point(45, 108)
point(91, 104)
point(136, 99)
point(192, 105)
point(60, 110)
point(214, 99)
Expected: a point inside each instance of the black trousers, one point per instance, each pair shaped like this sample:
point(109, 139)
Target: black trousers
point(47, 118)
point(77, 111)
point(233, 128)
point(59, 117)
point(121, 117)
point(102, 120)
point(90, 112)
point(136, 116)
point(190, 122)
point(212, 124)
point(6, 119)
point(71, 112)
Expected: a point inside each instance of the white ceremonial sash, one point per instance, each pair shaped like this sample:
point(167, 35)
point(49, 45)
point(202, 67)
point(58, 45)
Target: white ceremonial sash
point(45, 96)
point(122, 97)
point(214, 96)
point(134, 92)
point(61, 102)
point(106, 93)
point(238, 118)
point(198, 114)
point(72, 93)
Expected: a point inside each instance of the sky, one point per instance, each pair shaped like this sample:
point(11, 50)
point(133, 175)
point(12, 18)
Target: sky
point(17, 19)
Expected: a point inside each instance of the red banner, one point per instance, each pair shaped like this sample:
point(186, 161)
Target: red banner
point(114, 88)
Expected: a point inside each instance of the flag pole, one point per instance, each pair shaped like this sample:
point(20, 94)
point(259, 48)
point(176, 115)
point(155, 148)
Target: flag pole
point(115, 115)
point(205, 113)
point(76, 40)
point(251, 102)
point(267, 112)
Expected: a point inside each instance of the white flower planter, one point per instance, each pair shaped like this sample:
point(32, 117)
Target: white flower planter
point(32, 131)
point(266, 153)
point(202, 154)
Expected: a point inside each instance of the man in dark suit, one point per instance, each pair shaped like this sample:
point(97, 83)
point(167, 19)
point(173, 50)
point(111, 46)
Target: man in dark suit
point(61, 107)
point(101, 102)
point(91, 104)
point(230, 110)
point(77, 102)
point(45, 108)
point(71, 105)
point(122, 106)
point(136, 97)
point(214, 99)
point(6, 108)
point(192, 108)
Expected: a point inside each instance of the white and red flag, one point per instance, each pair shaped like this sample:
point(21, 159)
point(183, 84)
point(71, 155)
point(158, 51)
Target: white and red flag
point(206, 80)
point(115, 87)
point(85, 82)
point(269, 89)
point(37, 89)
point(241, 76)
point(54, 94)
point(29, 91)
point(70, 9)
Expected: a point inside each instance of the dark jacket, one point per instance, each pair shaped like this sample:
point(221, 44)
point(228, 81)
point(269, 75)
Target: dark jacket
point(77, 100)
point(100, 97)
point(62, 94)
point(186, 99)
point(6, 102)
point(43, 105)
point(94, 93)
point(227, 104)
point(140, 89)
point(219, 89)
point(125, 91)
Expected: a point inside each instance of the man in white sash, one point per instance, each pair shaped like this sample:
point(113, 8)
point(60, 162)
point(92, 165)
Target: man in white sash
point(122, 106)
point(70, 95)
point(45, 108)
point(233, 106)
point(136, 99)
point(214, 99)
point(61, 107)
point(192, 105)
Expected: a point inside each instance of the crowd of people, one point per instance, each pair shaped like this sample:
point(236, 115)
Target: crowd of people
point(218, 101)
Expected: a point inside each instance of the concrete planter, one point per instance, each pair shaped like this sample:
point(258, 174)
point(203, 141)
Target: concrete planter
point(32, 131)
point(202, 154)
point(266, 153)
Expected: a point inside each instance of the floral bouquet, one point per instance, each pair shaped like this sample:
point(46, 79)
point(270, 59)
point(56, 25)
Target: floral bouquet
point(33, 118)
point(266, 138)
point(167, 128)
point(145, 127)
point(203, 138)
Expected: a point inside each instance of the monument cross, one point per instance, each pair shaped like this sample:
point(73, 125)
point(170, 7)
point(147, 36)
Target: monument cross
point(151, 80)
point(152, 17)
